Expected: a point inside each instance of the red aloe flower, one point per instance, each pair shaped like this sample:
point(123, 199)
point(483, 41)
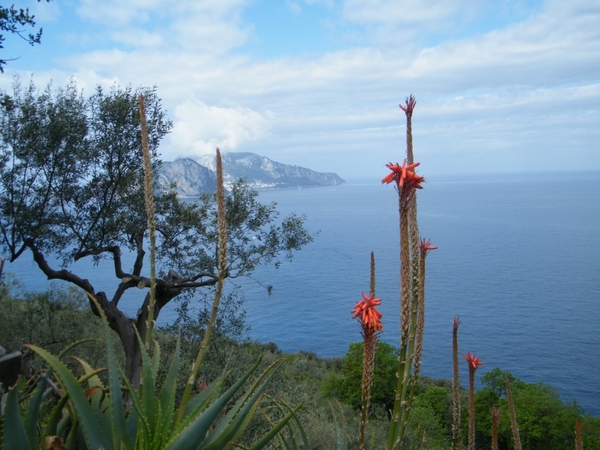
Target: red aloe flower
point(426, 247)
point(473, 361)
point(411, 102)
point(404, 175)
point(369, 316)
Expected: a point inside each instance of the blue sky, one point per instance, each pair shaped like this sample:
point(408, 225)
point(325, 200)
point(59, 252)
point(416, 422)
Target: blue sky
point(501, 86)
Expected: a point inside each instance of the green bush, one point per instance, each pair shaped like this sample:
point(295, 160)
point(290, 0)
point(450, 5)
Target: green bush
point(545, 422)
point(347, 385)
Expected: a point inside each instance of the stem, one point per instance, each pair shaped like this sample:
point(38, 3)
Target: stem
point(496, 413)
point(369, 348)
point(513, 416)
point(471, 408)
point(578, 435)
point(149, 200)
point(370, 341)
point(222, 268)
point(456, 441)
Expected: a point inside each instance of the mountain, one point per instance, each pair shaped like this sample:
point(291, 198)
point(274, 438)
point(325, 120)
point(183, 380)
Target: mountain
point(196, 176)
point(190, 177)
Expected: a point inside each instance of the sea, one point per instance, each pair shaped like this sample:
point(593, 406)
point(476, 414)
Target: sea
point(518, 260)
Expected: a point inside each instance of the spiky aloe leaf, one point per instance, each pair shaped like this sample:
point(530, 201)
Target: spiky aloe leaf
point(341, 441)
point(16, 439)
point(193, 428)
point(166, 397)
point(267, 438)
point(234, 423)
point(147, 389)
point(116, 413)
point(89, 419)
point(281, 405)
point(33, 410)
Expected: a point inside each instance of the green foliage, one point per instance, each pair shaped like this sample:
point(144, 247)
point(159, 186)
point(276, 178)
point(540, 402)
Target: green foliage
point(544, 420)
point(348, 386)
point(11, 21)
point(94, 414)
point(51, 319)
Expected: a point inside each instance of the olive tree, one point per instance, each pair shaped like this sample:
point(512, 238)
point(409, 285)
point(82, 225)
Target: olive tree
point(71, 187)
point(11, 21)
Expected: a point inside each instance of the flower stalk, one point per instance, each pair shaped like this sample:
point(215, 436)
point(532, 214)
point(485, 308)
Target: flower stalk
point(496, 414)
point(222, 274)
point(473, 363)
point(370, 329)
point(412, 283)
point(456, 440)
point(578, 435)
point(149, 203)
point(513, 416)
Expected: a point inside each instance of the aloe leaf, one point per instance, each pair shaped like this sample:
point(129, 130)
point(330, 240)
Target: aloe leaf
point(191, 431)
point(17, 438)
point(143, 431)
point(341, 442)
point(267, 438)
point(52, 425)
point(297, 420)
point(121, 438)
point(231, 427)
point(70, 347)
point(147, 387)
point(94, 435)
point(238, 417)
point(202, 400)
point(166, 396)
point(33, 410)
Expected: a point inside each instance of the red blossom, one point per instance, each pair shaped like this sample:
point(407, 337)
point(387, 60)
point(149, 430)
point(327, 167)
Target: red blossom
point(365, 310)
point(404, 175)
point(426, 247)
point(472, 360)
point(411, 102)
point(456, 322)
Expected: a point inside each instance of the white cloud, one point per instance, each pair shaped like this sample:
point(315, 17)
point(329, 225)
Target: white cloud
point(404, 12)
point(200, 128)
point(528, 85)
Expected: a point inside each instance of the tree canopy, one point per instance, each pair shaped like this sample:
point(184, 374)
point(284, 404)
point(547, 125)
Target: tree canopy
point(11, 21)
point(71, 186)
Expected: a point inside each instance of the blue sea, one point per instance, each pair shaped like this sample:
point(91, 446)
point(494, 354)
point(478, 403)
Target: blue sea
point(518, 260)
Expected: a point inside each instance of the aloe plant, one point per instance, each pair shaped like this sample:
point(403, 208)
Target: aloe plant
point(97, 416)
point(94, 416)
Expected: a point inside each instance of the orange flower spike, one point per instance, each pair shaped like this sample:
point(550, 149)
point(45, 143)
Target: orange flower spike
point(472, 360)
point(365, 310)
point(400, 173)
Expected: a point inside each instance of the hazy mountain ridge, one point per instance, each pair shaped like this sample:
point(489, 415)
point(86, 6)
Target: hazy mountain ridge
point(194, 177)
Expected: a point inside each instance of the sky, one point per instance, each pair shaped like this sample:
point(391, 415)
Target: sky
point(501, 85)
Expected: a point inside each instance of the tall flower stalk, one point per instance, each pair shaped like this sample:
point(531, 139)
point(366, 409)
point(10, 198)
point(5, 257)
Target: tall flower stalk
point(222, 270)
point(578, 435)
point(496, 414)
point(456, 440)
point(412, 282)
point(473, 363)
point(370, 322)
point(513, 416)
point(149, 203)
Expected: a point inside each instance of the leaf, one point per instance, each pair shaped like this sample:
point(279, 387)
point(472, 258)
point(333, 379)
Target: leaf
point(17, 438)
point(90, 421)
point(166, 397)
point(192, 430)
